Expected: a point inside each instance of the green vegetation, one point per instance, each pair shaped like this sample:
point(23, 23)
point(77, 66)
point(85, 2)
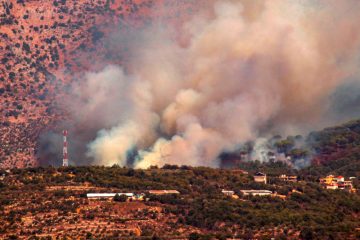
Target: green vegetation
point(310, 211)
point(120, 198)
point(337, 150)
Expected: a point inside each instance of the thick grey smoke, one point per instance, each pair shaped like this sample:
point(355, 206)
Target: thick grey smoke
point(244, 69)
point(345, 102)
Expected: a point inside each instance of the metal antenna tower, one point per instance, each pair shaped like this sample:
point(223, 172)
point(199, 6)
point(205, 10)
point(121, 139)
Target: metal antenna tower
point(65, 162)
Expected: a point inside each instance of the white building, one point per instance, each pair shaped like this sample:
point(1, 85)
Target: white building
point(107, 195)
point(287, 178)
point(260, 177)
point(332, 186)
point(256, 192)
point(228, 192)
point(339, 179)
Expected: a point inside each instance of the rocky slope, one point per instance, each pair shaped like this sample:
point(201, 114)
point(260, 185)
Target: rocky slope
point(44, 44)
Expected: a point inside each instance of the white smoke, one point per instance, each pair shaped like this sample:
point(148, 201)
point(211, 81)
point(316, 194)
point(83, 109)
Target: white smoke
point(239, 73)
point(261, 150)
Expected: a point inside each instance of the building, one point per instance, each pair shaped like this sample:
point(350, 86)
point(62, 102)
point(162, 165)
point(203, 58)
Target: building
point(227, 192)
point(107, 195)
point(332, 186)
point(256, 192)
point(339, 182)
point(327, 180)
point(260, 177)
point(340, 179)
point(287, 178)
point(345, 185)
point(163, 192)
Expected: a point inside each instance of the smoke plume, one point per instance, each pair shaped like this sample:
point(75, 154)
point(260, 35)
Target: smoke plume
point(240, 70)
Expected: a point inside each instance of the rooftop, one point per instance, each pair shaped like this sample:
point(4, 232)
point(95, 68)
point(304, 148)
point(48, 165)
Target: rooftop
point(95, 195)
point(164, 192)
point(260, 174)
point(255, 191)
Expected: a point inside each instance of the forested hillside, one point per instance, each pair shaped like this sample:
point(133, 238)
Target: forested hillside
point(337, 149)
point(49, 202)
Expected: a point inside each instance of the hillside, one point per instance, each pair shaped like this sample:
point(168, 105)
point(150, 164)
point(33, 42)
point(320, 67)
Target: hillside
point(175, 110)
point(337, 149)
point(44, 45)
point(44, 203)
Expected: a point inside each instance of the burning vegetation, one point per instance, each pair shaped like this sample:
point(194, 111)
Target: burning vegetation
point(43, 45)
point(162, 90)
point(187, 100)
point(142, 83)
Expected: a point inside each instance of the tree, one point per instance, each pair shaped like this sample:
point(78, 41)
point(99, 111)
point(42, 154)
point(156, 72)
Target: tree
point(120, 198)
point(155, 237)
point(284, 146)
point(298, 153)
point(194, 236)
point(306, 234)
point(26, 47)
point(88, 235)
